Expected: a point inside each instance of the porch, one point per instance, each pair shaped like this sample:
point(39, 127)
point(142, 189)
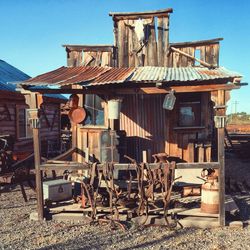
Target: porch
point(187, 135)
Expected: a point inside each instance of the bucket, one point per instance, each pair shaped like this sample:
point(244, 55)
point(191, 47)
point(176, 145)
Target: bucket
point(114, 108)
point(210, 196)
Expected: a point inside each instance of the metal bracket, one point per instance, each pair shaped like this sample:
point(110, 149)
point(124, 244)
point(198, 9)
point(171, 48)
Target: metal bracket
point(34, 118)
point(220, 121)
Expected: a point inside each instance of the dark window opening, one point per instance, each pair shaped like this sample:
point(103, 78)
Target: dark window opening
point(190, 111)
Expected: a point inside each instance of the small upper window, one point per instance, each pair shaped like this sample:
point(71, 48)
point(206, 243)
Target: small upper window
point(197, 55)
point(24, 129)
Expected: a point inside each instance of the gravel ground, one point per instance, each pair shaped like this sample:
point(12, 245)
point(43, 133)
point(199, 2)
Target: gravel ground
point(17, 231)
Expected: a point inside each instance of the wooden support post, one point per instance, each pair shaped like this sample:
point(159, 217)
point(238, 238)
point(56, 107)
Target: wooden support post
point(34, 102)
point(74, 139)
point(144, 156)
point(221, 156)
point(87, 155)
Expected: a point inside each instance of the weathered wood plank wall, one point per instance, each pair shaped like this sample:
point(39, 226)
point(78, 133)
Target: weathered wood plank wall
point(50, 126)
point(149, 127)
point(91, 56)
point(154, 48)
point(208, 53)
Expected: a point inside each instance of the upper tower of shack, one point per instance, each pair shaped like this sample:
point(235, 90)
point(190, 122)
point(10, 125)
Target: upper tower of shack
point(142, 38)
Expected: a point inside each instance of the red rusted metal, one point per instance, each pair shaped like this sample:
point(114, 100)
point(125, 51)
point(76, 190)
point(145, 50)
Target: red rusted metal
point(114, 75)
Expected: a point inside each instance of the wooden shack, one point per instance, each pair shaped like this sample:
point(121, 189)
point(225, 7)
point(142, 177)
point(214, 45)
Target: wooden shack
point(14, 113)
point(144, 67)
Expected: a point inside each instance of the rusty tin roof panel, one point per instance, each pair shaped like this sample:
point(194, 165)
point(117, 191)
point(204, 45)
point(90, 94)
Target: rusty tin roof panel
point(67, 76)
point(114, 75)
point(182, 74)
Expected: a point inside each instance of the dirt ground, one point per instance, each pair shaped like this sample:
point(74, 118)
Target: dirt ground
point(17, 231)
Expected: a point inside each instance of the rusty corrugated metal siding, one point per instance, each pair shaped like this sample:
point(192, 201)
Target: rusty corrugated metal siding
point(143, 119)
point(181, 74)
point(114, 75)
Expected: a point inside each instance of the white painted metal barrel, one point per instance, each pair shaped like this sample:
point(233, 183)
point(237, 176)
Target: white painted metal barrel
point(114, 108)
point(210, 196)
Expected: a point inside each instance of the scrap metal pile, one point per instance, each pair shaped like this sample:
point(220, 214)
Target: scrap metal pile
point(142, 189)
point(11, 170)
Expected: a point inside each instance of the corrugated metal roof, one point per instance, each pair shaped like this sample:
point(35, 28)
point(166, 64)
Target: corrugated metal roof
point(182, 74)
point(92, 76)
point(9, 74)
point(67, 76)
point(114, 75)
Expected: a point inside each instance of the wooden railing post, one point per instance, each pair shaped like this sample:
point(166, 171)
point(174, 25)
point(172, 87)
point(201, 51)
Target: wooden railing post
point(34, 103)
point(220, 125)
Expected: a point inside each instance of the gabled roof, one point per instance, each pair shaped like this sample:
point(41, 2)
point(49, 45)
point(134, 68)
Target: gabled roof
point(92, 76)
point(9, 75)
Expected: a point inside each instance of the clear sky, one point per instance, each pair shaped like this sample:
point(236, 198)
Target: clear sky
point(32, 31)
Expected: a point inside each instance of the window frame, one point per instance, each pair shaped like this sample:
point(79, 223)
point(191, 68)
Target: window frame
point(28, 134)
point(104, 106)
point(192, 104)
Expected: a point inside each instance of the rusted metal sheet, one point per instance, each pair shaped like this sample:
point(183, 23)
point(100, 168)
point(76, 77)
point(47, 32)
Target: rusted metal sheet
point(182, 74)
point(81, 75)
point(114, 75)
point(142, 117)
point(91, 76)
point(67, 76)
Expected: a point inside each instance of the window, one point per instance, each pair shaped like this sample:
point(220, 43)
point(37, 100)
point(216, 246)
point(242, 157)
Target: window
point(95, 111)
point(24, 129)
point(189, 111)
point(197, 55)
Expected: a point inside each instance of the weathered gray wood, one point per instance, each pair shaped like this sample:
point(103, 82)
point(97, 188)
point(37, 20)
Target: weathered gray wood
point(196, 43)
point(221, 159)
point(85, 48)
point(166, 40)
point(136, 15)
point(74, 58)
point(34, 104)
point(125, 166)
point(160, 45)
point(122, 50)
point(151, 44)
point(191, 57)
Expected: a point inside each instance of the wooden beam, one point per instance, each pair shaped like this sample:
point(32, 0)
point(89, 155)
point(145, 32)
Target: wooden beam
point(93, 48)
point(125, 166)
point(137, 15)
point(193, 58)
point(142, 90)
point(196, 43)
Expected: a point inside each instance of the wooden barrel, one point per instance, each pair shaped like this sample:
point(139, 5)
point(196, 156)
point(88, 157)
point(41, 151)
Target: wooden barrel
point(210, 196)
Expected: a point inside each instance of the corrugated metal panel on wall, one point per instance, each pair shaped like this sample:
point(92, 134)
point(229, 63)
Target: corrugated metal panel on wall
point(142, 118)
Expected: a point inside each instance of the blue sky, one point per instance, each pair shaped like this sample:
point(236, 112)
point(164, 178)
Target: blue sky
point(32, 32)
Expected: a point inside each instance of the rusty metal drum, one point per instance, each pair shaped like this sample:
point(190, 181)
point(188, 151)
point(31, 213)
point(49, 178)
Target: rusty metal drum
point(210, 196)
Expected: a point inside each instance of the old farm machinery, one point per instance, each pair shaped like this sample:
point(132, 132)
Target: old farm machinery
point(139, 189)
point(13, 171)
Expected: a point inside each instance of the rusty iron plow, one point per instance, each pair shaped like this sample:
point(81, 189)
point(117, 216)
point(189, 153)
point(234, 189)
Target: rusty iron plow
point(103, 186)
